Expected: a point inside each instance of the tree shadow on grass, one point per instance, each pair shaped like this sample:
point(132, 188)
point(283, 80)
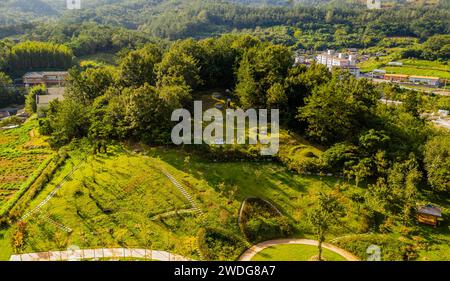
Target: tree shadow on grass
point(431, 234)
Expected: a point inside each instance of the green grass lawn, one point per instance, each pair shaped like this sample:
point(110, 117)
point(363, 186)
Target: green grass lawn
point(294, 253)
point(5, 244)
point(102, 57)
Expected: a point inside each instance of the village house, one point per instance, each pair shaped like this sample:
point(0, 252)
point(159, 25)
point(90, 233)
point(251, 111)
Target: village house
point(47, 78)
point(396, 78)
point(373, 4)
point(429, 214)
point(378, 73)
point(414, 79)
point(426, 80)
point(395, 63)
point(332, 60)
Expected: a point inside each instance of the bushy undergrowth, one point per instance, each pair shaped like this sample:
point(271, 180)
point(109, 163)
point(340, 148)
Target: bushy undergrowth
point(260, 221)
point(392, 249)
point(219, 244)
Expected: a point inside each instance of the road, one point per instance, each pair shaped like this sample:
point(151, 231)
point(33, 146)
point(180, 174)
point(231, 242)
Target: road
point(250, 253)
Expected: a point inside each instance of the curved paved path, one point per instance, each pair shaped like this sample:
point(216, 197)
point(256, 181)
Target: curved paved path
point(250, 253)
point(92, 254)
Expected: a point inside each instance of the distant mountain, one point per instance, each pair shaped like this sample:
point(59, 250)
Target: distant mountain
point(175, 19)
point(37, 7)
point(262, 2)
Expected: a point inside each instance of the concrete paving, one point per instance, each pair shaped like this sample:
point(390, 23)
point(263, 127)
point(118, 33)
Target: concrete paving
point(96, 254)
point(250, 253)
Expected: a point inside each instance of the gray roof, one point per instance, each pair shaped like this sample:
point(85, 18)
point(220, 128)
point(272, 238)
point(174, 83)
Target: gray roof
point(44, 73)
point(430, 209)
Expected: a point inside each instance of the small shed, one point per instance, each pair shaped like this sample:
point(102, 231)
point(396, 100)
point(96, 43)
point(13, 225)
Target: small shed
point(429, 214)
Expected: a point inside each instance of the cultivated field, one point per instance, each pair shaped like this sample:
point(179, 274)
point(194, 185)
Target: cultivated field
point(409, 67)
point(23, 152)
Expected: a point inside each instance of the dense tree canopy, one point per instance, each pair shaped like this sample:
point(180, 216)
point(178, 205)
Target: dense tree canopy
point(127, 24)
point(339, 108)
point(138, 66)
point(38, 55)
point(437, 162)
point(261, 75)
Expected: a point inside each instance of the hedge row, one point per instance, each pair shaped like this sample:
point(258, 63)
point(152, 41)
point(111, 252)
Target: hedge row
point(21, 203)
point(24, 187)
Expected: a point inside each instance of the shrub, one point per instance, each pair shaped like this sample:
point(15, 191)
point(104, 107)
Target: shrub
point(220, 244)
point(34, 186)
point(263, 229)
point(260, 221)
point(13, 120)
point(392, 249)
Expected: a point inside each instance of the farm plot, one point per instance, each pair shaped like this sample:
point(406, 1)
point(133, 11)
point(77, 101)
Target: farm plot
point(22, 152)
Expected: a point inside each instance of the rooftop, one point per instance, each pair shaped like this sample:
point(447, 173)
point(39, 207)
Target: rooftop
point(44, 73)
point(430, 209)
point(397, 75)
point(424, 77)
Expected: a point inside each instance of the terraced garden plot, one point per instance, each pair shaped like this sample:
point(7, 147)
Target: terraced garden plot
point(409, 67)
point(112, 200)
point(22, 151)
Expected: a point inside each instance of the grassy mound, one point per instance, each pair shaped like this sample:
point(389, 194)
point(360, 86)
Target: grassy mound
point(261, 221)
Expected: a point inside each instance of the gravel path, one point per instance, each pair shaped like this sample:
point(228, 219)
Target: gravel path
point(250, 253)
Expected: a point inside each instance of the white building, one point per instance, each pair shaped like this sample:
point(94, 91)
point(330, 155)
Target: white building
point(425, 80)
point(73, 4)
point(395, 63)
point(299, 59)
point(443, 113)
point(373, 4)
point(332, 60)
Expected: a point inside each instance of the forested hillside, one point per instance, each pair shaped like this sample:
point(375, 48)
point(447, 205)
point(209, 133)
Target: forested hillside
point(111, 26)
point(176, 19)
